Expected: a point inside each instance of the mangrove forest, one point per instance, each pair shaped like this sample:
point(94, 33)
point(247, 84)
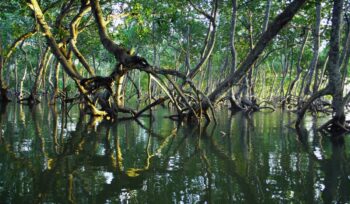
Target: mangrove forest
point(174, 101)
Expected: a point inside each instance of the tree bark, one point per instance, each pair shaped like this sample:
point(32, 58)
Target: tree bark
point(74, 30)
point(285, 67)
point(210, 39)
point(267, 15)
point(333, 67)
point(3, 88)
point(38, 78)
point(316, 38)
point(4, 58)
point(60, 55)
point(334, 86)
point(55, 80)
point(121, 54)
point(299, 69)
point(273, 29)
point(232, 36)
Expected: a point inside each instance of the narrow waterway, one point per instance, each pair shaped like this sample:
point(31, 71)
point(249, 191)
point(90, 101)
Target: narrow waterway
point(50, 157)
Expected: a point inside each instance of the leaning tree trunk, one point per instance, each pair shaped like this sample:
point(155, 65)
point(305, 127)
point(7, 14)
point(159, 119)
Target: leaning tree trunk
point(280, 21)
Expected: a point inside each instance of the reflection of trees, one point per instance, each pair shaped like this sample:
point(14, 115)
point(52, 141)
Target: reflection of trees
point(126, 178)
point(230, 163)
point(241, 160)
point(282, 173)
point(336, 168)
point(57, 165)
point(2, 115)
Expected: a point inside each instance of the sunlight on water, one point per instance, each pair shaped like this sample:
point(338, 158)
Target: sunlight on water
point(317, 152)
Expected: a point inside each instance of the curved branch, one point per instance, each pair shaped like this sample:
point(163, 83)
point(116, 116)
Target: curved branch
point(303, 110)
point(17, 42)
point(68, 66)
point(201, 11)
point(74, 35)
point(119, 52)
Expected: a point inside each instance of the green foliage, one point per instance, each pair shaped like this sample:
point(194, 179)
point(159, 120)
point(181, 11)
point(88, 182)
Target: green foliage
point(159, 32)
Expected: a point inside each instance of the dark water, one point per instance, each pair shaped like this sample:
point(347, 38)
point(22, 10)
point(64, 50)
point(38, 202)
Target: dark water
point(48, 157)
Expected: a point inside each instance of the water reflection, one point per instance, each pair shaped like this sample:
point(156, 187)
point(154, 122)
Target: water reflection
point(334, 166)
point(49, 156)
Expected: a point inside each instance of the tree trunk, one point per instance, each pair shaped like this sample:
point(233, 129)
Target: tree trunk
point(62, 56)
point(253, 69)
point(267, 15)
point(232, 36)
point(20, 94)
point(45, 57)
point(59, 53)
point(234, 105)
point(16, 77)
point(299, 69)
point(119, 80)
point(333, 67)
point(210, 39)
point(55, 77)
point(273, 29)
point(74, 25)
point(3, 88)
point(316, 38)
point(319, 80)
point(285, 68)
point(123, 55)
point(188, 51)
point(334, 87)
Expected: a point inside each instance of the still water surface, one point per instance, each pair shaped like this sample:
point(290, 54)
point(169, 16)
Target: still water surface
point(48, 157)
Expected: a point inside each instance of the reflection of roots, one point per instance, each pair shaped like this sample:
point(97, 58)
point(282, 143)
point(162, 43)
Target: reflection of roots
point(3, 95)
point(246, 105)
point(30, 100)
point(335, 127)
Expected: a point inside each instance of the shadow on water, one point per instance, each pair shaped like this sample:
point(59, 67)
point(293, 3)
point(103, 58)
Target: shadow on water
point(336, 167)
point(48, 156)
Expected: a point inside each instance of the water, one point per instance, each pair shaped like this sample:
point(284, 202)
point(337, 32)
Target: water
point(49, 157)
